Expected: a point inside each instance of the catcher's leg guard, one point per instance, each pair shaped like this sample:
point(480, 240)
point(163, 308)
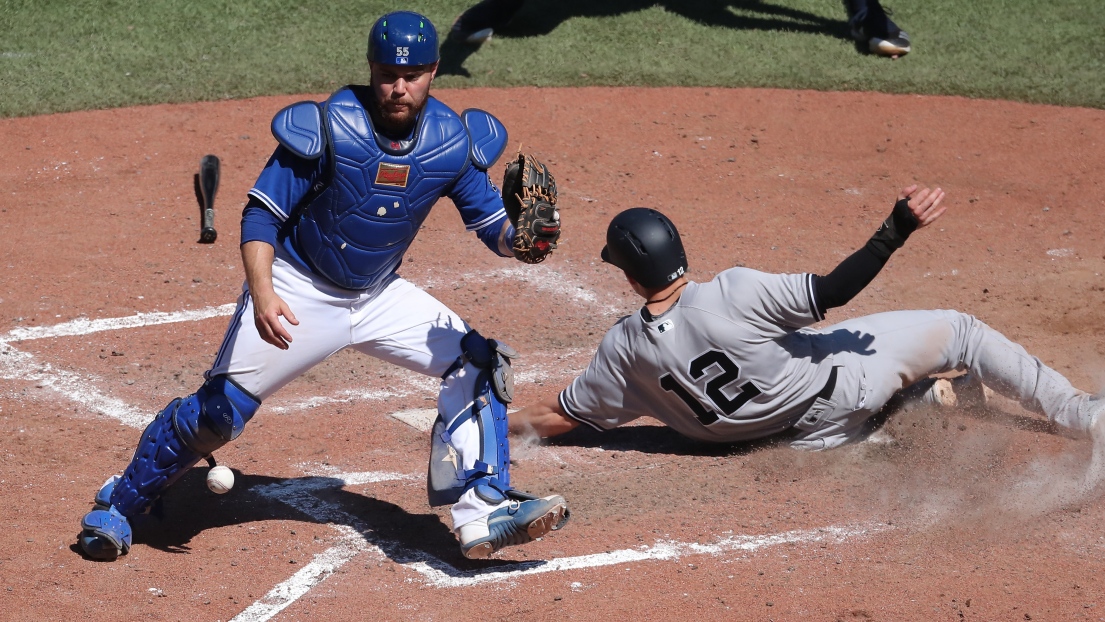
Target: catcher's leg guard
point(184, 432)
point(484, 376)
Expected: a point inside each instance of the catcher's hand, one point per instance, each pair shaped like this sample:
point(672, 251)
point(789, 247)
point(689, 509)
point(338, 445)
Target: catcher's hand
point(529, 196)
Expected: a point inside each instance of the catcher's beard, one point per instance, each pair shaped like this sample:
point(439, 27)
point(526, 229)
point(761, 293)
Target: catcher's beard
point(396, 123)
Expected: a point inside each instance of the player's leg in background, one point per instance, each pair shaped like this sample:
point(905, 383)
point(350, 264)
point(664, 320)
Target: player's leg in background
point(470, 451)
point(481, 20)
point(871, 27)
point(911, 345)
point(246, 371)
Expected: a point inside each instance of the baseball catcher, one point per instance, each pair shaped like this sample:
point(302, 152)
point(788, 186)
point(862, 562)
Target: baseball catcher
point(327, 225)
point(529, 197)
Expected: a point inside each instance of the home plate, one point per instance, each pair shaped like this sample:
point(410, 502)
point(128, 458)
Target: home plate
point(419, 419)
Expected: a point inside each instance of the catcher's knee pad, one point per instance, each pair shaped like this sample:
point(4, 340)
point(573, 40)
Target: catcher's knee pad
point(492, 357)
point(484, 379)
point(184, 432)
point(218, 415)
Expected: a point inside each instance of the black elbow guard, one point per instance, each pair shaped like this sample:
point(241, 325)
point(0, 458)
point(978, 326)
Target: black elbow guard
point(894, 230)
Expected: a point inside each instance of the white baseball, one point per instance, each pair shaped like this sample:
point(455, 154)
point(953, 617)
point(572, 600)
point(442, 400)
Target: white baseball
point(220, 479)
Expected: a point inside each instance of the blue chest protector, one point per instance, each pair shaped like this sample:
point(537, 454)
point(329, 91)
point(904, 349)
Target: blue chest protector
point(378, 192)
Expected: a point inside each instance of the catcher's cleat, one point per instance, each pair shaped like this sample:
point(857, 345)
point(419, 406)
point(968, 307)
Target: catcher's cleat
point(105, 533)
point(870, 25)
point(517, 522)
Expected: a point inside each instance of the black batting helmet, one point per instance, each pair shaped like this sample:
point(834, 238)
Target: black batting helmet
point(645, 244)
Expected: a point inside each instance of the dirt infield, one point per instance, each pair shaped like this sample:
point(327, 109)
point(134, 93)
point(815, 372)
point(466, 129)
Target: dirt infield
point(109, 308)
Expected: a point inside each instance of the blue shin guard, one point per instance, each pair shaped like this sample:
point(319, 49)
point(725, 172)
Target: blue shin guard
point(490, 393)
point(184, 432)
point(490, 475)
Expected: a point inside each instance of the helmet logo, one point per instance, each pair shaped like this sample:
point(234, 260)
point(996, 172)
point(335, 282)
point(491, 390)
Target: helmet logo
point(403, 38)
point(675, 275)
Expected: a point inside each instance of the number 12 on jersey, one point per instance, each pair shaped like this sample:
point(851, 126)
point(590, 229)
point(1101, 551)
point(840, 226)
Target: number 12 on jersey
point(729, 371)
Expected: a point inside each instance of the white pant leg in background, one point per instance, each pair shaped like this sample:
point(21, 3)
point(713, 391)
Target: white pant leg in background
point(455, 400)
point(883, 353)
point(412, 329)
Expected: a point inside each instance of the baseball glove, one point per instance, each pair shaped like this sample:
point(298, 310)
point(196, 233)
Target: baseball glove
point(529, 196)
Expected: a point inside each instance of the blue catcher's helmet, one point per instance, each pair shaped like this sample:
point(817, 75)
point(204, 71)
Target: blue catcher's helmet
point(403, 38)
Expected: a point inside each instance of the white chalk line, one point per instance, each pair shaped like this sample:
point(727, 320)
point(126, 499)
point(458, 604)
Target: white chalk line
point(323, 565)
point(414, 384)
point(85, 326)
point(661, 551)
point(316, 469)
point(18, 365)
point(355, 537)
point(544, 278)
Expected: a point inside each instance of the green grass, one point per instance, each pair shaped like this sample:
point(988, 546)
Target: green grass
point(66, 55)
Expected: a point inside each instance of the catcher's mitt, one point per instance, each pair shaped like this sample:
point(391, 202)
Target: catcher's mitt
point(529, 196)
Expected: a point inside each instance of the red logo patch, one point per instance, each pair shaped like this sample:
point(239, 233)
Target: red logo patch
point(392, 175)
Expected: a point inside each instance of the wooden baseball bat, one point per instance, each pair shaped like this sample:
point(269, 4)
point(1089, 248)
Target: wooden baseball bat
point(208, 183)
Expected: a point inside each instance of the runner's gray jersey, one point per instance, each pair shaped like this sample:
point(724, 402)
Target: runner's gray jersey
point(729, 361)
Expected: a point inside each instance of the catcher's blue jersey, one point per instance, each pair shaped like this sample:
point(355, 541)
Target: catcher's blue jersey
point(351, 214)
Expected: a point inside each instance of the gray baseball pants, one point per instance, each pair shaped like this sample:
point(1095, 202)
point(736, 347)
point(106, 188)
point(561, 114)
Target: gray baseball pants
point(878, 355)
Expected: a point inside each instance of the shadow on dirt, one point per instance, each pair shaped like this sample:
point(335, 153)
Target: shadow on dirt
point(660, 439)
point(189, 508)
point(655, 439)
point(541, 17)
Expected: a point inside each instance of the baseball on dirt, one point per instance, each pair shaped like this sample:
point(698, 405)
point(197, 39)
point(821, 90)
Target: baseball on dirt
point(220, 479)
